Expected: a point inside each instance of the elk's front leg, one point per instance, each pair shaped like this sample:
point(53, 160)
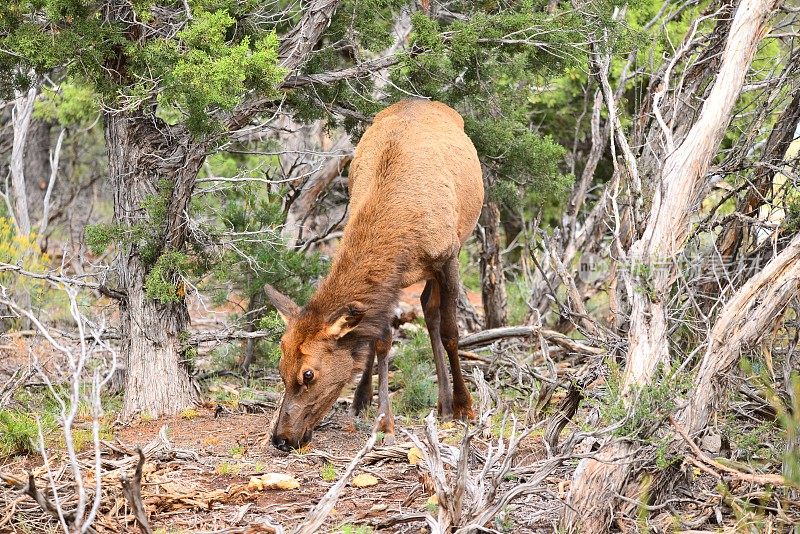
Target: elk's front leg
point(386, 424)
point(362, 397)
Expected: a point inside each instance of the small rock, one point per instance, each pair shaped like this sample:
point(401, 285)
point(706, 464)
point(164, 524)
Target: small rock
point(414, 455)
point(273, 481)
point(711, 443)
point(364, 480)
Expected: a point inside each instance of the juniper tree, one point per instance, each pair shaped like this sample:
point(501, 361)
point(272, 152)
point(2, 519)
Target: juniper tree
point(175, 80)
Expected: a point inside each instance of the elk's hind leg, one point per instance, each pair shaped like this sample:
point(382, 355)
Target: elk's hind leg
point(362, 397)
point(431, 304)
point(448, 283)
point(386, 425)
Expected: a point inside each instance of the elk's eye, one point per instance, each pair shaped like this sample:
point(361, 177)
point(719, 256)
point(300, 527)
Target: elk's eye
point(308, 376)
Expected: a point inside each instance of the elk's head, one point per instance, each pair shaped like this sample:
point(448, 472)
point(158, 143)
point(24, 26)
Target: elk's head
point(318, 358)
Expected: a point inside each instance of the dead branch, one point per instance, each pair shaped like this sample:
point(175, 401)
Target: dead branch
point(323, 508)
point(675, 199)
point(210, 337)
point(304, 202)
point(296, 47)
point(21, 119)
point(487, 337)
point(364, 68)
point(744, 319)
point(59, 279)
point(470, 498)
point(771, 480)
point(132, 490)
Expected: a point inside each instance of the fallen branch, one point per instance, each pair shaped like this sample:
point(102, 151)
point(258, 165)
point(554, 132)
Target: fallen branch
point(33, 492)
point(763, 480)
point(486, 337)
point(321, 511)
point(132, 489)
point(208, 337)
point(102, 288)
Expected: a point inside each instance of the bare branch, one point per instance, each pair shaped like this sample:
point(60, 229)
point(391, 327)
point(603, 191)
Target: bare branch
point(132, 489)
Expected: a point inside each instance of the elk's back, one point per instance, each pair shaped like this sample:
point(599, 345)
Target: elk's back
point(415, 185)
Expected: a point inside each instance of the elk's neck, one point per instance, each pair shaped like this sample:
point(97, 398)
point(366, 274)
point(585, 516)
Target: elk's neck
point(361, 275)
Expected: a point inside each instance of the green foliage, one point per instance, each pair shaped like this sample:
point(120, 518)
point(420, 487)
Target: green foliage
point(18, 432)
point(229, 468)
point(163, 281)
point(504, 521)
point(518, 294)
point(789, 417)
point(355, 529)
point(205, 71)
point(328, 472)
point(792, 220)
point(18, 429)
point(99, 237)
point(264, 259)
point(72, 104)
point(654, 402)
point(206, 66)
point(415, 376)
point(495, 82)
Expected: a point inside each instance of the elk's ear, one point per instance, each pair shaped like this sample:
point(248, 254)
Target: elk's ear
point(286, 307)
point(345, 319)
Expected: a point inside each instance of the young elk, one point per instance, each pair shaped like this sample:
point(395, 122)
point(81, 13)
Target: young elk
point(416, 191)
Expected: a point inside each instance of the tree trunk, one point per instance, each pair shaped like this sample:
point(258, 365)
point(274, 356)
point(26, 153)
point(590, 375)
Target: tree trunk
point(598, 480)
point(469, 320)
point(21, 119)
point(493, 284)
point(256, 304)
point(157, 381)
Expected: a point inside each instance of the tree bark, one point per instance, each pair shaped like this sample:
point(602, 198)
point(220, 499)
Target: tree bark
point(156, 378)
point(744, 319)
point(21, 118)
point(598, 480)
point(493, 284)
point(468, 319)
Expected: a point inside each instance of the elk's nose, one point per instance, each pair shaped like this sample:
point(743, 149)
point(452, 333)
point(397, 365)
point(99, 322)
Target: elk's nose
point(281, 443)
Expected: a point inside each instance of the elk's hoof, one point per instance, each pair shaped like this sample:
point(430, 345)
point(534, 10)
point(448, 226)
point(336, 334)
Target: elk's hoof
point(465, 414)
point(445, 412)
point(389, 439)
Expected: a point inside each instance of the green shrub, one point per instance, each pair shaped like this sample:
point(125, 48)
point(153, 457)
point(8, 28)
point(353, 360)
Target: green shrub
point(18, 432)
point(654, 402)
point(415, 376)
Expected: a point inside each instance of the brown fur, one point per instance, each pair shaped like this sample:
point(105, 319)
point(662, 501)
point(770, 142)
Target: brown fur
point(415, 196)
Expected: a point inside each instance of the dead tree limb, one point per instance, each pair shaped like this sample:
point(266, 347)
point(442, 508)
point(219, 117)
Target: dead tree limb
point(33, 492)
point(59, 279)
point(296, 47)
point(487, 337)
point(21, 119)
point(764, 480)
point(302, 205)
point(132, 489)
point(323, 508)
point(744, 319)
point(676, 196)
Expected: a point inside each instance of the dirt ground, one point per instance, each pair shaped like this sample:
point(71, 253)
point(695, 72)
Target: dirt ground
point(198, 480)
point(234, 447)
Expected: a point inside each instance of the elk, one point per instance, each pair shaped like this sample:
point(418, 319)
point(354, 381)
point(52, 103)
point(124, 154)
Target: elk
point(416, 191)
